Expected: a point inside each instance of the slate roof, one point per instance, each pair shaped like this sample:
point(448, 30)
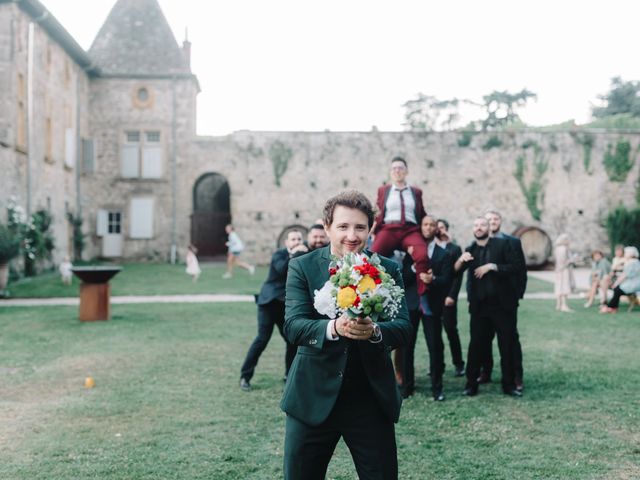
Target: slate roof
point(48, 22)
point(136, 41)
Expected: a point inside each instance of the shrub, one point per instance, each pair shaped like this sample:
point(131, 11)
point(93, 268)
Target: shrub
point(9, 245)
point(623, 227)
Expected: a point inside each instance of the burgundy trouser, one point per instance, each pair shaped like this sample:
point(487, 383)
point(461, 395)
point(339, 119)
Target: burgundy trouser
point(396, 236)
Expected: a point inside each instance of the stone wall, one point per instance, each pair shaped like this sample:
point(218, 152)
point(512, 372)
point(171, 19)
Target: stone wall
point(60, 100)
point(115, 110)
point(282, 178)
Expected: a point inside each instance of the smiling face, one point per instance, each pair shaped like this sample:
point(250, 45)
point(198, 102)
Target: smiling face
point(348, 232)
point(398, 172)
point(429, 228)
point(317, 238)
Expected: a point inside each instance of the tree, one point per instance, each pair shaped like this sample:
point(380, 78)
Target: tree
point(500, 107)
point(622, 98)
point(427, 113)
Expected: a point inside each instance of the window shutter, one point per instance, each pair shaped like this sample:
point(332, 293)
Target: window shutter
point(102, 223)
point(129, 161)
point(70, 147)
point(88, 156)
point(152, 161)
point(141, 218)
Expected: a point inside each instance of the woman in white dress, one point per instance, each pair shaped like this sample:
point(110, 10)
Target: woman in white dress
point(562, 286)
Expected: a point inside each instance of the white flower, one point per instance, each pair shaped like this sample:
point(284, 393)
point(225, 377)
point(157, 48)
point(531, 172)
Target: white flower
point(324, 302)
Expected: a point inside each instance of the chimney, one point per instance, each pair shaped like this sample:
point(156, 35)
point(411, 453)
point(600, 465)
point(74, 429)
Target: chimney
point(186, 48)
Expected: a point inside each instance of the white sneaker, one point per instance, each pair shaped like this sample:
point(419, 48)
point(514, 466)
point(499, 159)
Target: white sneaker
point(226, 275)
point(252, 269)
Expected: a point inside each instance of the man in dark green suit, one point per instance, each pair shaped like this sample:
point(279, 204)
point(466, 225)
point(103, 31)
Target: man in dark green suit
point(341, 382)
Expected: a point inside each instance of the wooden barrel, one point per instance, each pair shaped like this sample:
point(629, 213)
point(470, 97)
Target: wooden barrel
point(536, 244)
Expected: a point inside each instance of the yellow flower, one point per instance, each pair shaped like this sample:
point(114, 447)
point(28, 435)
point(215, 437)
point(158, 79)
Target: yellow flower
point(366, 283)
point(346, 297)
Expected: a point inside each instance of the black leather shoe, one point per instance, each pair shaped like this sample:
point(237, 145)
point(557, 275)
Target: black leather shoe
point(406, 393)
point(470, 391)
point(484, 378)
point(459, 371)
point(438, 397)
point(519, 385)
point(513, 393)
point(245, 386)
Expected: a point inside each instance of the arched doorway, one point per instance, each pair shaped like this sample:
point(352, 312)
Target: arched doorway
point(211, 212)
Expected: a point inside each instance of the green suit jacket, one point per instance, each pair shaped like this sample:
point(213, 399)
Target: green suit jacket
point(315, 376)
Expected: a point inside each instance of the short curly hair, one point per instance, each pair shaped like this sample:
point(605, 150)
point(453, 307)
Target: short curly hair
point(350, 199)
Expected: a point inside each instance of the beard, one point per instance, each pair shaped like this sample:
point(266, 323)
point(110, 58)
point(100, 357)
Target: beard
point(481, 237)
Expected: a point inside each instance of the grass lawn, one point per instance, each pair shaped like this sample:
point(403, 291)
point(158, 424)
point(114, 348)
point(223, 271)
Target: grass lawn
point(171, 280)
point(166, 404)
point(148, 279)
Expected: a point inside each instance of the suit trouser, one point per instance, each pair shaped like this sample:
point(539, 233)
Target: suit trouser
point(487, 363)
point(450, 324)
point(397, 236)
point(407, 354)
point(269, 315)
point(485, 319)
point(367, 431)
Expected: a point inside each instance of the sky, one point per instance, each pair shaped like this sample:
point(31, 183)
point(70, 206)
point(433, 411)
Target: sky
point(349, 65)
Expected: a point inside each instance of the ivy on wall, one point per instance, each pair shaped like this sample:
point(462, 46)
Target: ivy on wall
point(465, 138)
point(617, 164)
point(587, 140)
point(533, 191)
point(492, 142)
point(280, 155)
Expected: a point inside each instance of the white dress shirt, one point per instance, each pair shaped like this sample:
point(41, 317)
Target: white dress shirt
point(392, 210)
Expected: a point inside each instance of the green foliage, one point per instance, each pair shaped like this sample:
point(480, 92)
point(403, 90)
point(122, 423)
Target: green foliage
point(37, 241)
point(280, 155)
point(587, 141)
point(78, 236)
point(622, 98)
point(500, 107)
point(623, 227)
point(9, 244)
point(622, 121)
point(617, 164)
point(465, 138)
point(533, 191)
point(492, 142)
point(427, 113)
point(34, 233)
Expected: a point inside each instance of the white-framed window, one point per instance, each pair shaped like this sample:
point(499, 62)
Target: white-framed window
point(141, 154)
point(108, 222)
point(141, 217)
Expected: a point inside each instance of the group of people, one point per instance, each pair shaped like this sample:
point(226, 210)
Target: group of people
point(622, 275)
point(340, 380)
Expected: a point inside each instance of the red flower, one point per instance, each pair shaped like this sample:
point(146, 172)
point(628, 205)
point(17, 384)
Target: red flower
point(356, 302)
point(332, 271)
point(377, 280)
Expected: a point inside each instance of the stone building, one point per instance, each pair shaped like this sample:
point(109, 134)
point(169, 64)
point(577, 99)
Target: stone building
point(111, 133)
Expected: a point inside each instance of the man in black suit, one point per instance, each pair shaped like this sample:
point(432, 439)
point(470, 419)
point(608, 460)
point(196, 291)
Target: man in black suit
point(450, 310)
point(437, 278)
point(316, 238)
point(271, 309)
point(341, 383)
point(492, 297)
point(495, 223)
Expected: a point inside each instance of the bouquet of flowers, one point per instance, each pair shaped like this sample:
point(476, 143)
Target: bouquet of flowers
point(359, 286)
